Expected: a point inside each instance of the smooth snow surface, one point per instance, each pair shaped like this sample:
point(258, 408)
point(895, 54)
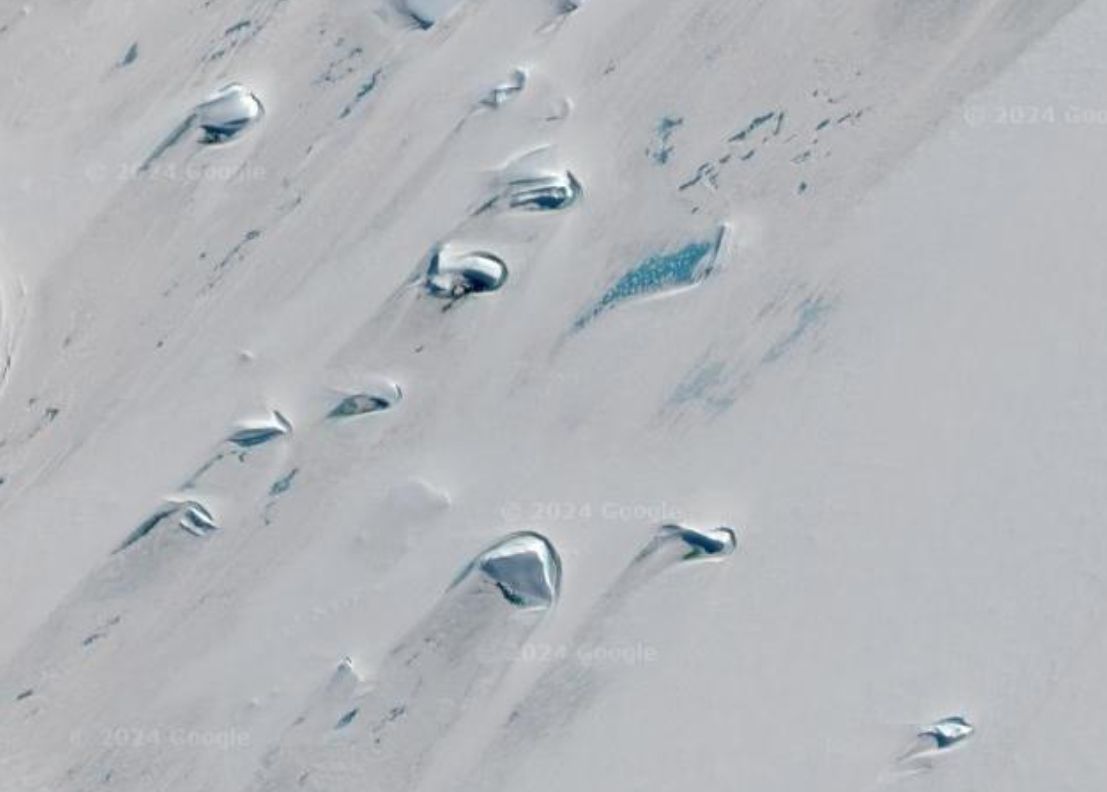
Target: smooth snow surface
point(378, 380)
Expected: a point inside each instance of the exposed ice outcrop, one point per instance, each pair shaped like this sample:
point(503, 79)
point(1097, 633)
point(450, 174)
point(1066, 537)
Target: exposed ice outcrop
point(228, 112)
point(544, 193)
point(524, 567)
point(427, 12)
point(537, 182)
point(197, 520)
point(222, 116)
point(698, 543)
point(948, 732)
point(453, 273)
point(255, 433)
point(381, 396)
point(931, 742)
point(504, 92)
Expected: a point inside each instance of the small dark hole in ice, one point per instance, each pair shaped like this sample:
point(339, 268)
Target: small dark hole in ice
point(454, 274)
point(262, 432)
point(346, 719)
point(25, 694)
point(228, 112)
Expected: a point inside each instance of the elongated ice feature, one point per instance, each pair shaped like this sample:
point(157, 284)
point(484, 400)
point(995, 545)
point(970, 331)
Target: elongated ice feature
point(948, 732)
point(383, 397)
point(258, 432)
point(454, 274)
point(147, 526)
point(228, 112)
point(524, 567)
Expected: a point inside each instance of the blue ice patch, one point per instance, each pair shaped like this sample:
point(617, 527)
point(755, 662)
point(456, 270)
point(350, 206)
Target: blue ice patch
point(659, 273)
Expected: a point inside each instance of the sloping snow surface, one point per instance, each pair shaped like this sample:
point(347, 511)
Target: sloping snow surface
point(487, 395)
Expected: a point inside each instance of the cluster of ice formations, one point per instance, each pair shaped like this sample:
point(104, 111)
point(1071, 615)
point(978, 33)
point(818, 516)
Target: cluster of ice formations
point(453, 273)
point(197, 520)
point(524, 567)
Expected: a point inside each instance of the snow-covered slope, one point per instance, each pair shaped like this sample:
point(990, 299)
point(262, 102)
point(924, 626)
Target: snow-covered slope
point(828, 273)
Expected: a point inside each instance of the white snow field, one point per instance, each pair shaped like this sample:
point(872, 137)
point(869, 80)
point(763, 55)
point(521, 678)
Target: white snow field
point(354, 355)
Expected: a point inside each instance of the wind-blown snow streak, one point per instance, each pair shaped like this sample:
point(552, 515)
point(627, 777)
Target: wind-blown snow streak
point(381, 740)
point(571, 684)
